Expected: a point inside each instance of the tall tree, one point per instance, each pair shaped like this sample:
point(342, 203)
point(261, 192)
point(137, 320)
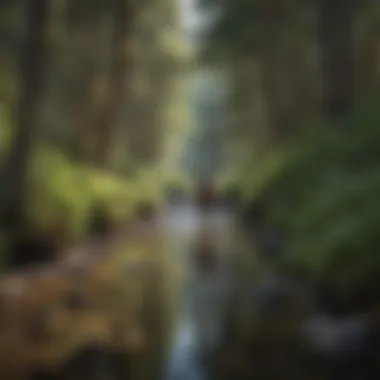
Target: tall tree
point(266, 32)
point(88, 31)
point(123, 12)
point(155, 68)
point(32, 73)
point(369, 54)
point(336, 38)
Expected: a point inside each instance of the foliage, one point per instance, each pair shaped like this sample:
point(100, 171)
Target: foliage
point(64, 193)
point(323, 189)
point(244, 27)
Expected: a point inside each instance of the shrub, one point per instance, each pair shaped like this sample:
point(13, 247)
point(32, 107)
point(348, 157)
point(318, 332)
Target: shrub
point(322, 188)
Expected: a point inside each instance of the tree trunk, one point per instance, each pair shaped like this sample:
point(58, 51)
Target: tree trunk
point(109, 117)
point(303, 92)
point(83, 133)
point(269, 85)
point(336, 35)
point(143, 140)
point(369, 54)
point(33, 68)
point(273, 76)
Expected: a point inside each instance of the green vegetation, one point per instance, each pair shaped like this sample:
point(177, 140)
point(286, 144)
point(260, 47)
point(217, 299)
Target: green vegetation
point(322, 188)
point(304, 91)
point(64, 192)
point(84, 120)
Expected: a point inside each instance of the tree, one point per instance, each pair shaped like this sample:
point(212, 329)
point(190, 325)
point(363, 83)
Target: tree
point(32, 73)
point(369, 57)
point(266, 34)
point(154, 71)
point(336, 38)
point(89, 22)
point(122, 12)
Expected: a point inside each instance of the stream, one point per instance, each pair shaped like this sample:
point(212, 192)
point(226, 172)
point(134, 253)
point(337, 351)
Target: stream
point(341, 345)
point(202, 300)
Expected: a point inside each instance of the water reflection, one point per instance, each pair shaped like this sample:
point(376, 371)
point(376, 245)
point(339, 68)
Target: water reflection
point(277, 329)
point(206, 289)
point(184, 363)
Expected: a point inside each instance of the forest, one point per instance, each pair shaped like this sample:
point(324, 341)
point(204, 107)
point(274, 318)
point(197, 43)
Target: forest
point(99, 122)
point(84, 92)
point(87, 111)
point(305, 129)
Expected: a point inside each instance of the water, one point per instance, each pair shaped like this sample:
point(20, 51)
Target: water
point(184, 363)
point(203, 299)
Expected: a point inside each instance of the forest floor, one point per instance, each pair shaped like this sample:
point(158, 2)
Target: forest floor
point(101, 293)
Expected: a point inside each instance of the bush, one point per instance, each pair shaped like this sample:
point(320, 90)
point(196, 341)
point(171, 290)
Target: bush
point(66, 194)
point(323, 189)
